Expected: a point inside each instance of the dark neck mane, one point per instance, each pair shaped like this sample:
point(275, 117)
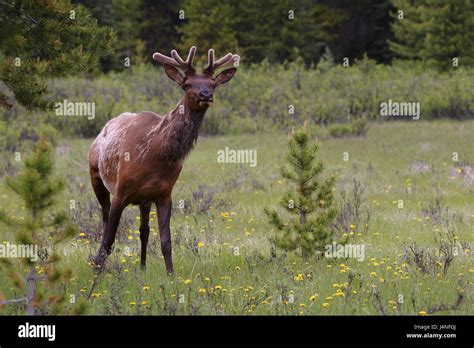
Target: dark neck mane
point(179, 131)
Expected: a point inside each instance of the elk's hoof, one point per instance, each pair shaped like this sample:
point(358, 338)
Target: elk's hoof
point(98, 261)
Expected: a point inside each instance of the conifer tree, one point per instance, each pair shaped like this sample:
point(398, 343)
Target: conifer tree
point(160, 19)
point(306, 228)
point(276, 30)
point(407, 29)
point(450, 33)
point(434, 31)
point(40, 40)
point(38, 190)
point(209, 24)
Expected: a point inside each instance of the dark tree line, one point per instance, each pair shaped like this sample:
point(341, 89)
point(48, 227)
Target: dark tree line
point(281, 30)
point(276, 30)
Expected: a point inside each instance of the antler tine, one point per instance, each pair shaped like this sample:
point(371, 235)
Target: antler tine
point(165, 60)
point(210, 60)
point(223, 60)
point(228, 60)
point(176, 59)
point(191, 54)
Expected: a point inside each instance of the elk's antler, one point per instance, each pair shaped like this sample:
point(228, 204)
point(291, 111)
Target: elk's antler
point(228, 60)
point(177, 61)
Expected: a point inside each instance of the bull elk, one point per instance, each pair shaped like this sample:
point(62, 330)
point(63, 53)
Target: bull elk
point(138, 157)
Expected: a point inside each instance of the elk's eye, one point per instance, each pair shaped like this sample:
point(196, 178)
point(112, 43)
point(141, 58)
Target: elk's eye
point(186, 86)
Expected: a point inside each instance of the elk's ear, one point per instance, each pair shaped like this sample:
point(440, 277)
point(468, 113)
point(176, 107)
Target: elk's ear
point(174, 74)
point(225, 76)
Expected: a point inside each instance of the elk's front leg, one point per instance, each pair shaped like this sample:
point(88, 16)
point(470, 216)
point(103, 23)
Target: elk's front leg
point(164, 215)
point(144, 229)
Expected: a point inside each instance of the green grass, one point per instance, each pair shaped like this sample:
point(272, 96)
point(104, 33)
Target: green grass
point(233, 272)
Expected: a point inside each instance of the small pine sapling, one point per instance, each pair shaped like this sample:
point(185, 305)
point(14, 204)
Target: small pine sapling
point(42, 230)
point(309, 203)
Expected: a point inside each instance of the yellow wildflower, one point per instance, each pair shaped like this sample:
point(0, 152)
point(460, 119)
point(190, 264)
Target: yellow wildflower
point(298, 278)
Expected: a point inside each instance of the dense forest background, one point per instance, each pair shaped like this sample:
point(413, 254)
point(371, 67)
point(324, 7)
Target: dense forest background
point(281, 30)
point(257, 30)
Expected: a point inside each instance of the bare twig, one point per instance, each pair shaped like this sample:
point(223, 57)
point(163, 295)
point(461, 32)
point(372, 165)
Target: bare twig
point(455, 306)
point(13, 301)
point(31, 291)
point(378, 302)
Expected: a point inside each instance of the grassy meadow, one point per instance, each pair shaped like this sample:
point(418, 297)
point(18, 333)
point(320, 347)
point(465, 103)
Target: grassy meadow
point(223, 259)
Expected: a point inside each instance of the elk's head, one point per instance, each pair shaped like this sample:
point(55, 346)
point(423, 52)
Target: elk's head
point(199, 88)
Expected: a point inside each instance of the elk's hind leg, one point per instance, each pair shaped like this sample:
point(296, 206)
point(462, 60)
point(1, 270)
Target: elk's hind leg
point(103, 196)
point(116, 209)
point(145, 208)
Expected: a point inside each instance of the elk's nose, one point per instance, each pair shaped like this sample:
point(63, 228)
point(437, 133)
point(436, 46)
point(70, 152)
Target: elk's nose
point(205, 95)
